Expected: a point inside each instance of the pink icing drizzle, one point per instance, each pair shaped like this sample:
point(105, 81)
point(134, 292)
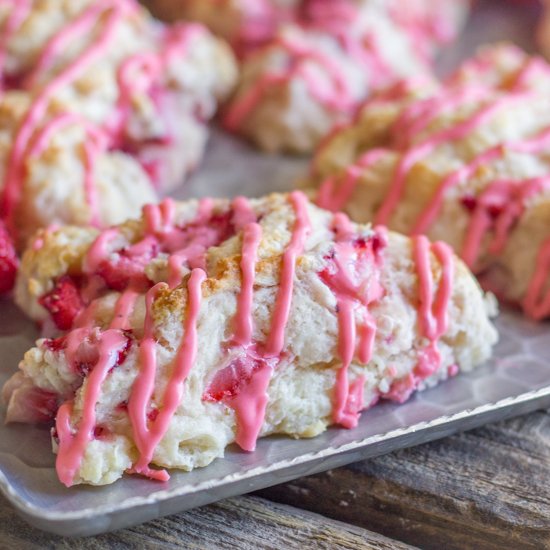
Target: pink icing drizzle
point(252, 235)
point(251, 399)
point(339, 97)
point(335, 199)
point(300, 232)
point(251, 403)
point(500, 205)
point(432, 313)
point(350, 292)
point(141, 71)
point(147, 435)
point(12, 188)
point(73, 445)
point(423, 149)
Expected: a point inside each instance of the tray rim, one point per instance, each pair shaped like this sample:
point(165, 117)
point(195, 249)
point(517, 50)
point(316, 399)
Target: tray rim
point(56, 522)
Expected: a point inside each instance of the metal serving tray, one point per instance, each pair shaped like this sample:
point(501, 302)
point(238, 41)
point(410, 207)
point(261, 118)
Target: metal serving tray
point(516, 381)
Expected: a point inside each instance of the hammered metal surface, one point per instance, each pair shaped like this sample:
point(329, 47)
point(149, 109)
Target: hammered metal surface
point(516, 381)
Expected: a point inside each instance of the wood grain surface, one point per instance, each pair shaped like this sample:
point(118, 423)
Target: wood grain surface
point(487, 488)
point(244, 523)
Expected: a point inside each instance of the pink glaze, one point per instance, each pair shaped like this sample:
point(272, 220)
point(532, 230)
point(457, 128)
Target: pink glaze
point(339, 98)
point(417, 117)
point(68, 34)
point(252, 235)
point(124, 308)
point(147, 437)
point(248, 397)
point(530, 145)
point(99, 251)
point(243, 214)
point(72, 444)
point(432, 314)
point(423, 149)
point(499, 206)
point(251, 403)
point(349, 289)
point(12, 186)
point(335, 199)
point(295, 247)
point(143, 387)
point(140, 72)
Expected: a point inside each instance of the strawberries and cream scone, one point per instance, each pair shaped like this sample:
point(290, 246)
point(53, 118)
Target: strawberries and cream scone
point(465, 162)
point(315, 74)
point(148, 87)
point(302, 319)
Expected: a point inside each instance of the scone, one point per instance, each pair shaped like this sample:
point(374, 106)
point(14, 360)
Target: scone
point(206, 323)
point(315, 74)
point(149, 87)
point(65, 174)
point(465, 162)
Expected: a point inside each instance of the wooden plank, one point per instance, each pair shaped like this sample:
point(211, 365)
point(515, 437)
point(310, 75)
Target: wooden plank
point(244, 523)
point(486, 488)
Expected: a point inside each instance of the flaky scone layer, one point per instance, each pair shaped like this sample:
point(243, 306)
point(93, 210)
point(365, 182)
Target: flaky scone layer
point(287, 320)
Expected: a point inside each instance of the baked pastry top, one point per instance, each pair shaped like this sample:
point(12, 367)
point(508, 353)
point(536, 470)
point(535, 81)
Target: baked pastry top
point(213, 321)
point(465, 162)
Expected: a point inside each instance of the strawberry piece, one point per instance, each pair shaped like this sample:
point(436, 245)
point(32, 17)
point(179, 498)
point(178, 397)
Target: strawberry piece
point(63, 303)
point(228, 382)
point(8, 261)
point(129, 265)
point(56, 344)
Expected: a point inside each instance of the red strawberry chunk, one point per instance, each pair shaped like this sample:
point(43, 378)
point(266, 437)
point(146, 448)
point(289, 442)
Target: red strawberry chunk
point(63, 303)
point(8, 261)
point(127, 268)
point(228, 382)
point(56, 344)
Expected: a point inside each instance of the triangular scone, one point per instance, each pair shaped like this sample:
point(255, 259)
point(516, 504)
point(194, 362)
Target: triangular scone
point(290, 319)
point(466, 162)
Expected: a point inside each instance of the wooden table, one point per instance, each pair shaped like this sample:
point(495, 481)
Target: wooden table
point(488, 488)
